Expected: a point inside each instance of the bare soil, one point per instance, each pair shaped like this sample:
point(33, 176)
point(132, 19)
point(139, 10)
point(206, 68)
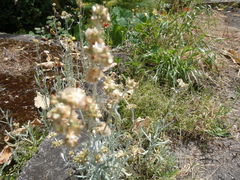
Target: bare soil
point(219, 161)
point(18, 55)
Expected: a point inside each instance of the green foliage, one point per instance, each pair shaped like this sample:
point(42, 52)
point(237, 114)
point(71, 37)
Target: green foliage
point(21, 156)
point(65, 25)
point(131, 4)
point(165, 47)
point(67, 4)
point(24, 14)
point(120, 20)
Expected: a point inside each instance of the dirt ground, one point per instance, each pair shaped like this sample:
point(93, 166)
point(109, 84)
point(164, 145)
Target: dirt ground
point(18, 88)
point(220, 161)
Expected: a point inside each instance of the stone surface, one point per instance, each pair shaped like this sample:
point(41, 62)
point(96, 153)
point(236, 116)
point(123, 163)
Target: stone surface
point(47, 163)
point(18, 37)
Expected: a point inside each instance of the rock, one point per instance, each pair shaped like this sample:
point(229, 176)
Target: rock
point(47, 163)
point(18, 37)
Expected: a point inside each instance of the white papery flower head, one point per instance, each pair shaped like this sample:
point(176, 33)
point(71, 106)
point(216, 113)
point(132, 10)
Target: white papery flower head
point(100, 16)
point(94, 35)
point(99, 53)
point(74, 97)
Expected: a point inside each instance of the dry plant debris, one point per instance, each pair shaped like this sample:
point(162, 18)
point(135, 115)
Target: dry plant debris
point(5, 155)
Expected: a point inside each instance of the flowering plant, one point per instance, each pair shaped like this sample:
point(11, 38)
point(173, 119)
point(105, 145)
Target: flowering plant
point(76, 112)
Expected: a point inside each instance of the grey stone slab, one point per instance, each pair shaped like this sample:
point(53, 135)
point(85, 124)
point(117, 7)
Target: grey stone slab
point(47, 163)
point(18, 37)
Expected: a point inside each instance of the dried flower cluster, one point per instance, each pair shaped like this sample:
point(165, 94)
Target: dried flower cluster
point(99, 54)
point(64, 116)
point(182, 84)
point(81, 157)
point(66, 102)
point(100, 16)
point(115, 91)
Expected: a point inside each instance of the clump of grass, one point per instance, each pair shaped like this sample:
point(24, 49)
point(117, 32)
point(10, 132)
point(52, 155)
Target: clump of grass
point(200, 116)
point(150, 101)
point(194, 116)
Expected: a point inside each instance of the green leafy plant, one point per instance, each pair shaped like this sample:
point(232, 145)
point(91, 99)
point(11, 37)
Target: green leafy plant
point(24, 14)
point(120, 20)
point(164, 46)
